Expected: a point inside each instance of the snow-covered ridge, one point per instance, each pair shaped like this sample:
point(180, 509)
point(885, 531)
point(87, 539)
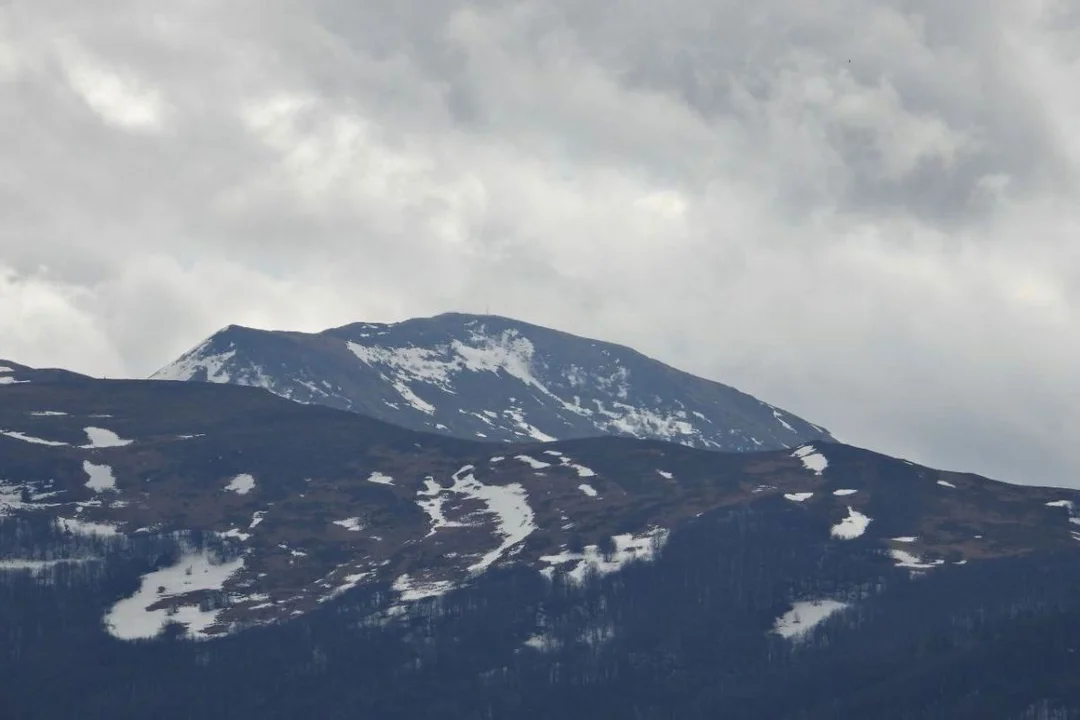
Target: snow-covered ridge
point(507, 353)
point(494, 379)
point(199, 360)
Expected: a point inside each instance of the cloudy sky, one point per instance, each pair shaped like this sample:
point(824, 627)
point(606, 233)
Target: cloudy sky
point(865, 212)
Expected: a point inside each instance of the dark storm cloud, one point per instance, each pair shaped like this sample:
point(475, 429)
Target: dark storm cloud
point(865, 212)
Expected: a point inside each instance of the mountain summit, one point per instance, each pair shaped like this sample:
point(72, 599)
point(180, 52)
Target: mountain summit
point(493, 378)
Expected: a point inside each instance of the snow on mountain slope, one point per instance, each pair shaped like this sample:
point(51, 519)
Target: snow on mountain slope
point(492, 378)
point(278, 508)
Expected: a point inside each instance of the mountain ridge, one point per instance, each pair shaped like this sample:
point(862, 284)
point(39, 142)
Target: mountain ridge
point(357, 500)
point(492, 378)
point(334, 564)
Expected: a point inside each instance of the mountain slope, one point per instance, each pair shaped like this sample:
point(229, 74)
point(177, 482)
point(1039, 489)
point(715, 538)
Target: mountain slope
point(491, 378)
point(316, 501)
point(340, 566)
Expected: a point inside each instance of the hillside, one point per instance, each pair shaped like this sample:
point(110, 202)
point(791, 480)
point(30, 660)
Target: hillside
point(449, 578)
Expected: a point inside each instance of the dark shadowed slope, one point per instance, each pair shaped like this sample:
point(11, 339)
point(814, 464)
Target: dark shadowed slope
point(338, 566)
point(319, 500)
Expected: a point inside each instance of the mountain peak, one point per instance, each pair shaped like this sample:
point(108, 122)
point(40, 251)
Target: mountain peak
point(493, 378)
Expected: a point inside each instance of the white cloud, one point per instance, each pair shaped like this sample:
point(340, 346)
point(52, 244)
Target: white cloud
point(118, 98)
point(863, 213)
point(44, 324)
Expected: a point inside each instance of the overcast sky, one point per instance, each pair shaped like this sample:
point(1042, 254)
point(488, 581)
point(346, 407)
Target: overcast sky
point(865, 212)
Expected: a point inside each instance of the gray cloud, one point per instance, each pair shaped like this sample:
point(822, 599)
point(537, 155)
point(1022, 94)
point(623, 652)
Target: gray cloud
point(864, 212)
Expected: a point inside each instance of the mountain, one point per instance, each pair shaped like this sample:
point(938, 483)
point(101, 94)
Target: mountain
point(328, 564)
point(12, 373)
point(491, 378)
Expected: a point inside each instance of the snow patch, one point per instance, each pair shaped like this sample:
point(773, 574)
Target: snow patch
point(89, 529)
point(352, 524)
point(15, 434)
point(851, 527)
point(844, 491)
point(588, 489)
point(102, 438)
point(645, 422)
point(11, 498)
point(518, 419)
point(905, 539)
point(188, 366)
point(946, 483)
point(510, 354)
point(411, 589)
point(1061, 503)
point(532, 462)
point(542, 643)
point(164, 596)
point(628, 548)
point(508, 503)
point(905, 559)
point(380, 479)
point(431, 502)
point(294, 553)
point(101, 477)
point(780, 418)
point(812, 459)
point(798, 497)
point(412, 398)
point(804, 616)
point(347, 583)
point(241, 484)
point(664, 474)
point(48, 413)
point(581, 470)
point(38, 567)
